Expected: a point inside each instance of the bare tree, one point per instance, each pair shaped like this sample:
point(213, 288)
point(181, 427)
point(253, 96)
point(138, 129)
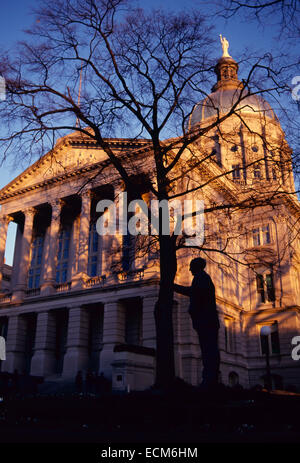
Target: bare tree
point(285, 12)
point(142, 74)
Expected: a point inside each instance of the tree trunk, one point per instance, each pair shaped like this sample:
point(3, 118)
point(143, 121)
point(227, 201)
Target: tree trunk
point(165, 366)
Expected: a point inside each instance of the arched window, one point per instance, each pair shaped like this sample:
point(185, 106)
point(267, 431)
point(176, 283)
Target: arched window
point(233, 379)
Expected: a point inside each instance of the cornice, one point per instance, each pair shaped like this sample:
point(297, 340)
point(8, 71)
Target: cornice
point(121, 143)
point(230, 304)
point(272, 310)
point(116, 142)
point(54, 180)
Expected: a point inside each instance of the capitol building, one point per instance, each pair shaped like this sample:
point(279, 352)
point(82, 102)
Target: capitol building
point(74, 300)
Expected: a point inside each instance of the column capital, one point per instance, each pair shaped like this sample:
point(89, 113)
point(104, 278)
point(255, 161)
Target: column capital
point(56, 205)
point(113, 303)
point(119, 187)
point(6, 219)
point(30, 212)
point(86, 197)
point(86, 193)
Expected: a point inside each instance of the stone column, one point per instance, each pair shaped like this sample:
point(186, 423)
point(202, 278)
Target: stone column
point(149, 330)
point(4, 222)
point(112, 244)
point(48, 275)
point(113, 333)
point(83, 244)
point(16, 258)
point(43, 362)
point(15, 344)
point(77, 356)
point(21, 283)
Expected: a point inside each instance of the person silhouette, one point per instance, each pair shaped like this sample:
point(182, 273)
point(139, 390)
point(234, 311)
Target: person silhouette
point(204, 315)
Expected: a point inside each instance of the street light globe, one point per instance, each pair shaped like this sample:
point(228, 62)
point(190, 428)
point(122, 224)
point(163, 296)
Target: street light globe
point(265, 330)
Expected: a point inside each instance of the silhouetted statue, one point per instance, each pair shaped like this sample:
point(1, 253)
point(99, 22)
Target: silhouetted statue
point(104, 385)
point(204, 315)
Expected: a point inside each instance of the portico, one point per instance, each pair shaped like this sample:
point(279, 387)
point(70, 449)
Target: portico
point(77, 301)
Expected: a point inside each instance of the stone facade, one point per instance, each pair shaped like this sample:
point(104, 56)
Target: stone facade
point(76, 301)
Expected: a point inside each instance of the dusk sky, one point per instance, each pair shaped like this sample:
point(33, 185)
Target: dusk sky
point(16, 16)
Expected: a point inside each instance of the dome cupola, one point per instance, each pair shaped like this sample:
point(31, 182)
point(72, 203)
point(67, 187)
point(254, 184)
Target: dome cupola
point(228, 91)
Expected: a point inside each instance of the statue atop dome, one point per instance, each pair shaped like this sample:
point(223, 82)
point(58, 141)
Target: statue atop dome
point(225, 46)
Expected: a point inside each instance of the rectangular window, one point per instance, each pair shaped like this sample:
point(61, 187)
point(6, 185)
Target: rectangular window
point(93, 251)
point(256, 172)
point(256, 237)
point(236, 173)
point(265, 287)
point(260, 287)
point(128, 252)
point(264, 344)
point(271, 341)
point(275, 346)
point(63, 256)
point(261, 235)
point(229, 335)
point(34, 272)
point(266, 234)
point(270, 287)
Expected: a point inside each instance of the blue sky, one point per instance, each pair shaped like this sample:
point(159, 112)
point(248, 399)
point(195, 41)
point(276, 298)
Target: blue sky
point(15, 16)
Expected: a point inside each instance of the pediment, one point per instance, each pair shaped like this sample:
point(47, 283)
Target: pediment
point(70, 156)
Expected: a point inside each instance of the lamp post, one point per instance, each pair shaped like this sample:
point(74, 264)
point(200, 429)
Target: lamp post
point(266, 331)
